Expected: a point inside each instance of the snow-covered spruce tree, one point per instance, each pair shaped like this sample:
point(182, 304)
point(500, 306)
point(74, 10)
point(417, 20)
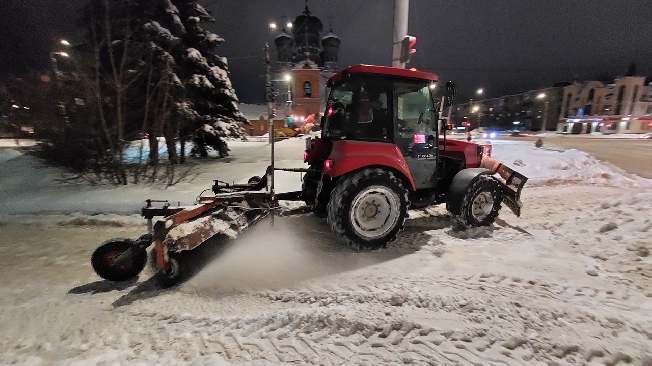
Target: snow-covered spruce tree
point(204, 102)
point(211, 104)
point(170, 82)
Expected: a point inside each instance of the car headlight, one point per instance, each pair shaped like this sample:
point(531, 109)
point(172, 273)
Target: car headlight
point(492, 135)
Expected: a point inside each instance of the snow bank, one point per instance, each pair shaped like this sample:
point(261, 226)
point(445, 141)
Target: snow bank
point(548, 167)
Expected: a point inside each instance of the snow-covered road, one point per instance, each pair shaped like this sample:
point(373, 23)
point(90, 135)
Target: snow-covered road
point(567, 283)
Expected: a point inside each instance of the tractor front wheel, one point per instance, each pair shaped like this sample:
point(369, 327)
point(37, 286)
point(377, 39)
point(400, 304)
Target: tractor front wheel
point(368, 208)
point(118, 260)
point(481, 203)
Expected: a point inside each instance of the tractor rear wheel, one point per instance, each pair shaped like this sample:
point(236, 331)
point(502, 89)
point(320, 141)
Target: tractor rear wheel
point(108, 263)
point(368, 208)
point(481, 203)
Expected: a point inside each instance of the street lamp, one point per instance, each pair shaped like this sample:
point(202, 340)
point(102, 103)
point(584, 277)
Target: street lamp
point(288, 79)
point(55, 67)
point(479, 92)
point(543, 96)
point(65, 42)
point(477, 109)
point(272, 26)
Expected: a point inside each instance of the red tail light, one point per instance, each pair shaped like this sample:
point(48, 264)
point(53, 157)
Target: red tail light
point(305, 157)
point(328, 165)
point(330, 111)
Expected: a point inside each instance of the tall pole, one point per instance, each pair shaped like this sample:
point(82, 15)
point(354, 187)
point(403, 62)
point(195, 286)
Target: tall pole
point(468, 123)
point(269, 96)
point(401, 8)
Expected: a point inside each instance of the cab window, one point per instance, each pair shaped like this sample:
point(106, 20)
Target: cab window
point(413, 114)
point(338, 111)
point(373, 121)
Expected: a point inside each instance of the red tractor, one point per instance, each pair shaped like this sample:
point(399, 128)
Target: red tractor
point(382, 151)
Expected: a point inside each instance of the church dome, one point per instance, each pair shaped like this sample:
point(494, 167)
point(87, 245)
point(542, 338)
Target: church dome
point(331, 46)
point(306, 30)
point(284, 47)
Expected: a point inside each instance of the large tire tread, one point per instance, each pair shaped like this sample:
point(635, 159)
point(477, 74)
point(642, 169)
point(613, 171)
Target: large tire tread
point(340, 201)
point(124, 271)
point(466, 220)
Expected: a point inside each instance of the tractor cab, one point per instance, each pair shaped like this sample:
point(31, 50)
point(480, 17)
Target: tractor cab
point(387, 105)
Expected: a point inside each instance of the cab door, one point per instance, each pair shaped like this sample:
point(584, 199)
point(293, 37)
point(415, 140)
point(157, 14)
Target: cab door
point(415, 130)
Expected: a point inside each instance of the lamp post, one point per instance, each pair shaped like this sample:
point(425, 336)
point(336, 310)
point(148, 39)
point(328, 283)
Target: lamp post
point(53, 58)
point(477, 108)
point(288, 104)
point(54, 62)
point(543, 96)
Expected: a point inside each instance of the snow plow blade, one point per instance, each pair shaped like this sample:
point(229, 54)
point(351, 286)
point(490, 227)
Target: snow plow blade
point(512, 183)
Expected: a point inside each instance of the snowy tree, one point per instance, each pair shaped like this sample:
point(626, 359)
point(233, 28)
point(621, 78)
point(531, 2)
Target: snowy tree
point(151, 69)
point(211, 103)
point(204, 103)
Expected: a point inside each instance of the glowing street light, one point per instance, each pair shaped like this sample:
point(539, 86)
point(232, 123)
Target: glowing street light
point(475, 109)
point(65, 42)
point(479, 91)
point(272, 26)
point(542, 96)
point(288, 25)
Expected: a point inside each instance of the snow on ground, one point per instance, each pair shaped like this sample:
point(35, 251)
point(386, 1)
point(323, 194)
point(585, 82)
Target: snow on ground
point(566, 283)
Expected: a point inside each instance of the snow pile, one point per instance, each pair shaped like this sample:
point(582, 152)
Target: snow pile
point(543, 166)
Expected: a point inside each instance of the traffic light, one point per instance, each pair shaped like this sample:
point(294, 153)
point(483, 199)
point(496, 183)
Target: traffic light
point(407, 49)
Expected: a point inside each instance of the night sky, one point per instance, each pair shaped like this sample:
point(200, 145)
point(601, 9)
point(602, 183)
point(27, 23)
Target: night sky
point(503, 46)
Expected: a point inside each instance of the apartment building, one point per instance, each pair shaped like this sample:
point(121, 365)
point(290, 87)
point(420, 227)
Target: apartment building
point(621, 106)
